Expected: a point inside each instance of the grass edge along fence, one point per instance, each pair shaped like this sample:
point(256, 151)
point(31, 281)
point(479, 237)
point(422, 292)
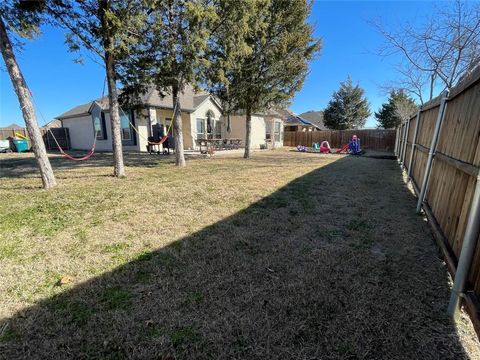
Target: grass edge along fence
point(377, 139)
point(439, 148)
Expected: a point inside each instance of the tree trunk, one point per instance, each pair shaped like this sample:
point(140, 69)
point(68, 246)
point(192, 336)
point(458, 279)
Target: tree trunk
point(23, 94)
point(177, 129)
point(248, 134)
point(118, 166)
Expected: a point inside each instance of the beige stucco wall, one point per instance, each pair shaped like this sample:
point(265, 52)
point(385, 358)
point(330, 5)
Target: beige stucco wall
point(142, 125)
point(201, 113)
point(81, 132)
point(162, 114)
point(270, 124)
point(238, 123)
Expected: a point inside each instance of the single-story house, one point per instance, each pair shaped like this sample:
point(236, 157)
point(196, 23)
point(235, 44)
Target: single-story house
point(315, 117)
point(154, 114)
point(298, 123)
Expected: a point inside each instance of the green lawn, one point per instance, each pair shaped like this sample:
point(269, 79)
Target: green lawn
point(286, 255)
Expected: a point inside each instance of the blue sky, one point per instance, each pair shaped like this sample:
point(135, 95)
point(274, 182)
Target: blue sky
point(349, 45)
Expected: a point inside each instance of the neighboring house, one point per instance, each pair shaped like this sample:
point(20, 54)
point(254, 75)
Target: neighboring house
point(52, 124)
point(12, 126)
point(153, 115)
point(297, 123)
point(315, 117)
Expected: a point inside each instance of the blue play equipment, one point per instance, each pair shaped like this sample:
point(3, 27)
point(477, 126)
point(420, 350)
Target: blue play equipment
point(354, 146)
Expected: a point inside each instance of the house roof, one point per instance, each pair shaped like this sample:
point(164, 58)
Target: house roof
point(13, 126)
point(189, 100)
point(298, 120)
point(315, 117)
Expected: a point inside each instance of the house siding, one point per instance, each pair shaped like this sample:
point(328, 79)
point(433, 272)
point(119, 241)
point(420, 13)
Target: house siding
point(81, 132)
point(201, 113)
point(238, 125)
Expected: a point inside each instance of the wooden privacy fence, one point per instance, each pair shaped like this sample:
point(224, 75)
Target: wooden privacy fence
point(61, 134)
point(370, 139)
point(439, 149)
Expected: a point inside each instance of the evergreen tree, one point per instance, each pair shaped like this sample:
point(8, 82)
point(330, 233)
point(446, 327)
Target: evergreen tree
point(263, 61)
point(175, 37)
point(16, 19)
point(105, 28)
point(348, 109)
point(398, 108)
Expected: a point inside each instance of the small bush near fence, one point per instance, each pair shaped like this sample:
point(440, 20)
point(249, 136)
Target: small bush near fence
point(370, 139)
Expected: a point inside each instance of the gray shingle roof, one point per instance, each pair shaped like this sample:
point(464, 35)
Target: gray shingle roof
point(297, 120)
point(189, 101)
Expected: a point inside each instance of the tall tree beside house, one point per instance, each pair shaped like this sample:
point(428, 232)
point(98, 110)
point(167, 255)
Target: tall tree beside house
point(398, 108)
point(275, 45)
point(106, 29)
point(175, 38)
point(24, 22)
point(348, 109)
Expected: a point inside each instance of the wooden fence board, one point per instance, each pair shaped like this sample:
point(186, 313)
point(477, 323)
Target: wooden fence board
point(61, 134)
point(454, 171)
point(370, 139)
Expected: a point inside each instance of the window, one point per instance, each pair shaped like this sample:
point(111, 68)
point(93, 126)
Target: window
point(125, 126)
point(278, 130)
point(268, 131)
point(200, 129)
point(218, 129)
point(98, 119)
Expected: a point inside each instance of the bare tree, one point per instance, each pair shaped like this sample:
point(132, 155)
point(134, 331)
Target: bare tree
point(439, 52)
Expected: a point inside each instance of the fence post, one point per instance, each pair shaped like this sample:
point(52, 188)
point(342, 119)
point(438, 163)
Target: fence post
point(402, 141)
point(396, 142)
point(407, 129)
point(415, 134)
point(431, 152)
point(467, 252)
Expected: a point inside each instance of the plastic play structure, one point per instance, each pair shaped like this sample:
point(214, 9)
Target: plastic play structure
point(353, 147)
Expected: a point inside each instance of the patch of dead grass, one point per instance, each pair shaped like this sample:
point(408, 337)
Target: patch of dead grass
point(286, 255)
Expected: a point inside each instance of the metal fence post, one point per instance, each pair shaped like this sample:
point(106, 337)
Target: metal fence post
point(396, 142)
point(467, 252)
point(431, 152)
point(400, 160)
point(407, 129)
point(415, 134)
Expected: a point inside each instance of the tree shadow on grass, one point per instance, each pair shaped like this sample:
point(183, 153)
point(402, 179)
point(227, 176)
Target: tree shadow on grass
point(21, 165)
point(335, 265)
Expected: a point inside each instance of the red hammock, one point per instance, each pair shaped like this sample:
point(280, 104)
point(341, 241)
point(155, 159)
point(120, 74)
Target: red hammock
point(86, 157)
point(162, 140)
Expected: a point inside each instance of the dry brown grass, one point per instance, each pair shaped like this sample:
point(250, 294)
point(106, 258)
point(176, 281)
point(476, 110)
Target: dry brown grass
point(287, 255)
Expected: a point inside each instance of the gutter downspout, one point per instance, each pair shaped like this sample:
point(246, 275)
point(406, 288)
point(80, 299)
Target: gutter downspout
point(431, 152)
point(468, 251)
point(415, 134)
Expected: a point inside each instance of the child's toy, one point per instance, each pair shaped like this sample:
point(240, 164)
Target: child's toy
point(325, 147)
point(353, 147)
point(302, 148)
point(316, 146)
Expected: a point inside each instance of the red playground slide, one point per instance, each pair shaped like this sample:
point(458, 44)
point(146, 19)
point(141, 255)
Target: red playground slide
point(344, 147)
